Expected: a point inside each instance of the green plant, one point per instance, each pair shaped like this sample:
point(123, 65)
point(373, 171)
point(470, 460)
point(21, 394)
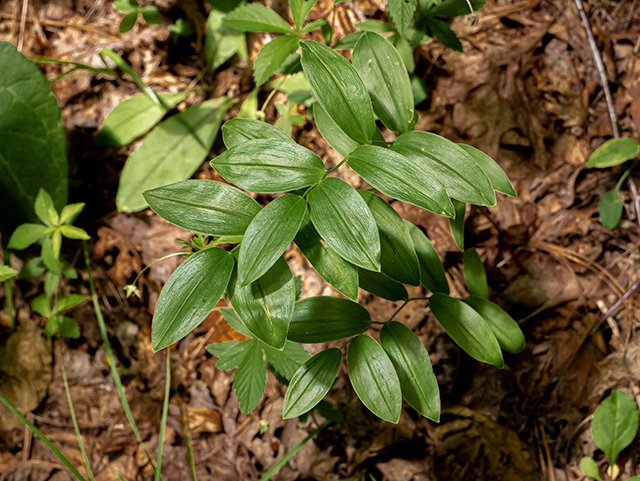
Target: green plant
point(611, 153)
point(614, 426)
point(132, 9)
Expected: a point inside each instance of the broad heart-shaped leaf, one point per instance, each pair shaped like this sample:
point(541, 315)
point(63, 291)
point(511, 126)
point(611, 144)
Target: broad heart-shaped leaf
point(467, 328)
point(334, 269)
point(266, 306)
point(33, 146)
point(411, 361)
point(299, 11)
point(204, 206)
point(381, 285)
point(401, 12)
point(474, 274)
point(339, 89)
point(333, 134)
point(269, 166)
point(287, 361)
point(614, 152)
point(432, 275)
point(237, 131)
point(383, 72)
point(345, 223)
point(492, 170)
point(610, 209)
point(135, 116)
point(189, 295)
point(397, 256)
point(615, 424)
point(326, 318)
point(311, 383)
point(401, 178)
point(25, 235)
point(271, 56)
point(457, 224)
point(504, 327)
point(171, 152)
point(257, 18)
point(448, 163)
point(374, 378)
point(268, 236)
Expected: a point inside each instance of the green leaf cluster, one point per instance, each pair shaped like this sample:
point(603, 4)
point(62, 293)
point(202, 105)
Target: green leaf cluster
point(150, 14)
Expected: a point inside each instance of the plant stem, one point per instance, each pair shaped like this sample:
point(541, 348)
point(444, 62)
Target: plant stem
point(8, 289)
point(337, 166)
point(625, 175)
point(165, 410)
point(157, 260)
point(402, 307)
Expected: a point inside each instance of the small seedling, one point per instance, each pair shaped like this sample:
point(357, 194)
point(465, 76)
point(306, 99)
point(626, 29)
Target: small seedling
point(132, 9)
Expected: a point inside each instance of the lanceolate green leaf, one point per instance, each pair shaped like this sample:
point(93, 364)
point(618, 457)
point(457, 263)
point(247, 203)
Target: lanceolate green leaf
point(257, 18)
point(610, 209)
point(25, 235)
point(299, 11)
point(492, 170)
point(457, 224)
point(237, 131)
point(504, 327)
point(374, 378)
point(381, 285)
point(271, 57)
point(614, 152)
point(339, 89)
point(334, 269)
point(268, 235)
point(189, 295)
point(411, 361)
point(432, 275)
point(270, 166)
point(615, 424)
point(333, 134)
point(397, 255)
point(467, 328)
point(401, 178)
point(345, 222)
point(449, 164)
point(326, 318)
point(204, 206)
point(266, 306)
point(311, 383)
point(474, 274)
point(171, 152)
point(383, 72)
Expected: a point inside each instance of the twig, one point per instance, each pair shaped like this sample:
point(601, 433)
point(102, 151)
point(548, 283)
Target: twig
point(23, 22)
point(60, 23)
point(613, 308)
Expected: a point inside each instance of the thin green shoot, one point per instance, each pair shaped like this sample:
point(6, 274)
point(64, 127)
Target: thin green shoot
point(165, 410)
point(8, 290)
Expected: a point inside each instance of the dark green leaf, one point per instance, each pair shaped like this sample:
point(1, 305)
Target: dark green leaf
point(257, 18)
point(68, 327)
point(270, 166)
point(311, 383)
point(504, 327)
point(456, 8)
point(339, 89)
point(374, 378)
point(250, 378)
point(333, 134)
point(348, 41)
point(432, 275)
point(401, 12)
point(381, 285)
point(271, 57)
point(614, 152)
point(327, 33)
point(25, 235)
point(406, 53)
point(189, 295)
point(373, 26)
point(269, 234)
point(397, 256)
point(467, 328)
point(230, 353)
point(128, 22)
point(400, 177)
point(330, 413)
point(171, 152)
point(287, 361)
point(234, 321)
point(457, 224)
point(69, 302)
point(492, 170)
point(266, 306)
point(151, 15)
point(42, 305)
point(291, 66)
point(333, 268)
point(204, 206)
point(34, 267)
point(610, 209)
point(299, 11)
point(444, 34)
point(344, 221)
point(325, 319)
point(474, 274)
point(615, 424)
point(412, 363)
point(420, 90)
point(237, 131)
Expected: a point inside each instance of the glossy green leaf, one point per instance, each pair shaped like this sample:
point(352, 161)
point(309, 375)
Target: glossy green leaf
point(474, 274)
point(374, 378)
point(333, 134)
point(432, 275)
point(238, 131)
point(339, 89)
point(610, 209)
point(190, 294)
point(311, 383)
point(173, 151)
point(257, 18)
point(401, 178)
point(449, 164)
point(348, 41)
point(269, 234)
point(590, 468)
point(204, 206)
point(345, 223)
point(299, 11)
point(375, 26)
point(456, 8)
point(381, 285)
point(614, 152)
point(334, 269)
point(6, 272)
point(492, 170)
point(401, 12)
point(271, 56)
point(503, 326)
point(69, 302)
point(134, 117)
point(383, 72)
point(287, 361)
point(397, 256)
point(326, 318)
point(222, 41)
point(266, 305)
point(457, 224)
point(25, 235)
point(467, 328)
point(413, 366)
point(269, 166)
point(615, 424)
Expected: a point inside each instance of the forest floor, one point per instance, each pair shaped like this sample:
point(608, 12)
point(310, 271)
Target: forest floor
point(526, 91)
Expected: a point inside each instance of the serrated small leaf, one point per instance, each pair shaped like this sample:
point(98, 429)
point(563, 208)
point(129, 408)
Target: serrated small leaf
point(614, 152)
point(68, 327)
point(474, 274)
point(457, 224)
point(615, 424)
point(250, 379)
point(237, 131)
point(25, 235)
point(229, 353)
point(287, 361)
point(299, 11)
point(234, 321)
point(401, 12)
point(69, 302)
point(341, 142)
point(381, 285)
point(456, 8)
point(257, 18)
point(504, 327)
point(444, 34)
point(42, 305)
point(325, 319)
point(271, 56)
point(610, 209)
point(432, 274)
point(492, 170)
